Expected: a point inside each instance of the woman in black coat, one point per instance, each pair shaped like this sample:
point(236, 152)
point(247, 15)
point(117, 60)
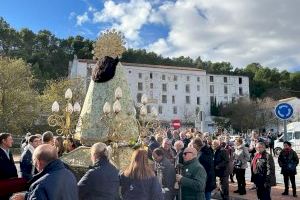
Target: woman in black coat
point(288, 161)
point(206, 158)
point(138, 181)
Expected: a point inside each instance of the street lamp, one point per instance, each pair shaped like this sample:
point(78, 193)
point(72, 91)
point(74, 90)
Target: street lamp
point(147, 122)
point(63, 122)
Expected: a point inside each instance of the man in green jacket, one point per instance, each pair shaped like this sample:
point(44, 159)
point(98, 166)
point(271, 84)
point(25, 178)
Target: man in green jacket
point(192, 180)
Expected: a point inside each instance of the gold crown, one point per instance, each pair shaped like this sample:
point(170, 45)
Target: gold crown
point(110, 43)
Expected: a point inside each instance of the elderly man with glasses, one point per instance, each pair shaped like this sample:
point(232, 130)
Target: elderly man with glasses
point(192, 180)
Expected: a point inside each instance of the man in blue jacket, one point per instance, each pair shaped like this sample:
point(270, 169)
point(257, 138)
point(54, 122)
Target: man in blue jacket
point(54, 181)
point(102, 181)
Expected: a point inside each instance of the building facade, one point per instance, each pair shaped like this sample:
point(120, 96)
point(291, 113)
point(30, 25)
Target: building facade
point(176, 92)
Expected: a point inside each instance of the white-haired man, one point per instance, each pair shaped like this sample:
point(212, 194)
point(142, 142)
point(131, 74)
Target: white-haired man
point(102, 181)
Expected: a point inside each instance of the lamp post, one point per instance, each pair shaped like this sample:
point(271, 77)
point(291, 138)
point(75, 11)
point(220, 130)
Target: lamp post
point(63, 122)
point(147, 122)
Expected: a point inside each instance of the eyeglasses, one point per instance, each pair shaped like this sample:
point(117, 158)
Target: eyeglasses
point(185, 153)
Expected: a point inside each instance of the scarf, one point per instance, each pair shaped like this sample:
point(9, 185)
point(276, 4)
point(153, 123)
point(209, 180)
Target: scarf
point(254, 161)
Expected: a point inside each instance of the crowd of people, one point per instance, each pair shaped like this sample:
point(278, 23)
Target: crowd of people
point(184, 165)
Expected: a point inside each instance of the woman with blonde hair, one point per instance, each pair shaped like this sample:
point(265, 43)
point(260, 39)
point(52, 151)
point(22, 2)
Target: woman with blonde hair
point(138, 181)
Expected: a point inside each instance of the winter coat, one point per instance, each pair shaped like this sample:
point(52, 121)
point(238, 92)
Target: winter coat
point(55, 182)
point(193, 181)
point(147, 189)
point(100, 183)
point(206, 159)
point(168, 178)
point(265, 170)
point(242, 156)
point(26, 164)
point(288, 161)
point(153, 144)
point(7, 166)
point(221, 162)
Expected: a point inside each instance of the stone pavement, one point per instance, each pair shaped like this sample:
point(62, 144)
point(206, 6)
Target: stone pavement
point(251, 195)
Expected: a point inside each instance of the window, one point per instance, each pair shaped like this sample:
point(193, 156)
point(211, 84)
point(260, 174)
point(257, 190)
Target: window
point(225, 90)
point(140, 86)
point(187, 100)
point(151, 76)
point(188, 78)
point(151, 85)
point(198, 100)
point(297, 135)
point(173, 99)
point(163, 77)
point(211, 89)
point(164, 87)
point(164, 98)
point(187, 88)
point(225, 79)
point(139, 97)
point(289, 136)
point(198, 87)
point(211, 78)
point(198, 79)
point(160, 109)
point(148, 109)
point(176, 87)
point(140, 75)
point(175, 78)
point(212, 99)
point(240, 91)
point(240, 80)
point(174, 110)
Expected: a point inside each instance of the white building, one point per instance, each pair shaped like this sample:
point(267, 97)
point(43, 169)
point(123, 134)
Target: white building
point(176, 92)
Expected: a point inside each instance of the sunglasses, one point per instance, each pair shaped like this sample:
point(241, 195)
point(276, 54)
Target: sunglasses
point(185, 153)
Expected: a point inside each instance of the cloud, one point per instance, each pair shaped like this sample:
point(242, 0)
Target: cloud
point(128, 17)
point(81, 19)
point(237, 31)
point(240, 32)
point(72, 15)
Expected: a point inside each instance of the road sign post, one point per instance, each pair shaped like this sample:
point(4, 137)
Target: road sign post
point(284, 111)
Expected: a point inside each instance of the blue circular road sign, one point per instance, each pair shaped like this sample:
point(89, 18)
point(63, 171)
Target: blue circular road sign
point(284, 111)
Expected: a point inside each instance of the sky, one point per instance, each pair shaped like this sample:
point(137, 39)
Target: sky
point(236, 31)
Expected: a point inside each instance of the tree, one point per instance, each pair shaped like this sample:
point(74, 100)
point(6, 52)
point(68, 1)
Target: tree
point(9, 39)
point(18, 108)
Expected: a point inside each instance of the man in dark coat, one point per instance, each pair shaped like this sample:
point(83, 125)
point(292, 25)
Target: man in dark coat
point(26, 164)
point(102, 181)
point(193, 178)
point(221, 165)
point(288, 161)
point(263, 168)
point(206, 159)
point(153, 144)
point(55, 181)
point(7, 165)
point(167, 170)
